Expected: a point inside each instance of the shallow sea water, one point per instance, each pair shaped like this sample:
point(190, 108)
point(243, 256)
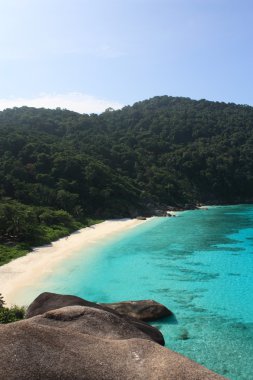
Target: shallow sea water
point(199, 264)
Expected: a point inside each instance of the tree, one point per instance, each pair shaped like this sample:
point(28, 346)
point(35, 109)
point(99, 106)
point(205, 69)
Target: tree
point(2, 302)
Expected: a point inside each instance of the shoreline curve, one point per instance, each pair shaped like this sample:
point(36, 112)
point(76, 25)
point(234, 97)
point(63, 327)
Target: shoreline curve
point(26, 270)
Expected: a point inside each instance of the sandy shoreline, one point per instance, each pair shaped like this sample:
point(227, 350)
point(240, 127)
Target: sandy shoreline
point(26, 270)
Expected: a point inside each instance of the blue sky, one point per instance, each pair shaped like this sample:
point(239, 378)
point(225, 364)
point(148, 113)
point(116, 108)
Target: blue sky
point(90, 54)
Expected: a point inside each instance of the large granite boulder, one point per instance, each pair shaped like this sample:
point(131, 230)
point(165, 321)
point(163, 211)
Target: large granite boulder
point(52, 301)
point(91, 321)
point(86, 343)
point(145, 310)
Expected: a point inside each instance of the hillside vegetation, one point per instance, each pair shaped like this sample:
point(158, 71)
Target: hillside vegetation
point(58, 168)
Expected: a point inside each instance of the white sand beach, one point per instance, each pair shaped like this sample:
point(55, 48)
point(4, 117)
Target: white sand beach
point(26, 270)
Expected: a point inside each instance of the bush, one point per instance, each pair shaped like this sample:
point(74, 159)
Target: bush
point(12, 314)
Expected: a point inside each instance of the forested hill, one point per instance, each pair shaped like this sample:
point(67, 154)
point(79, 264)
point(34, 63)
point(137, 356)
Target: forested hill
point(165, 150)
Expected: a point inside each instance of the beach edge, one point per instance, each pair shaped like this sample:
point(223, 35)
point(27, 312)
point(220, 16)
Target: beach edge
point(27, 270)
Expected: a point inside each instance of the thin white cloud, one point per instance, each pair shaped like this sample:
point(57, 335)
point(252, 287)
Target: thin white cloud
point(107, 51)
point(74, 101)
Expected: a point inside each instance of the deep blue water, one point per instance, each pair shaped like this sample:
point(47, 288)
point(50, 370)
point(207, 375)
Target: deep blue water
point(199, 264)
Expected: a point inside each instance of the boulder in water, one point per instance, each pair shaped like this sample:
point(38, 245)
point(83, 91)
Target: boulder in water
point(145, 310)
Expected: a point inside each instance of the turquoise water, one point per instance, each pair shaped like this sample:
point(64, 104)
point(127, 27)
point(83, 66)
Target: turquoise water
point(199, 264)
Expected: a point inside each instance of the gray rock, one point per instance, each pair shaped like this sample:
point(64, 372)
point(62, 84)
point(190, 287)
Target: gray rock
point(85, 343)
point(145, 310)
point(52, 301)
point(91, 321)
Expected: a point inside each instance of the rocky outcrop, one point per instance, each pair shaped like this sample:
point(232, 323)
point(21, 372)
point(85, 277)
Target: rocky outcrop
point(91, 321)
point(87, 343)
point(51, 301)
point(145, 310)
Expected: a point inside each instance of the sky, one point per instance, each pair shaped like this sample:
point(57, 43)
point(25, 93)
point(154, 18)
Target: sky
point(88, 55)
